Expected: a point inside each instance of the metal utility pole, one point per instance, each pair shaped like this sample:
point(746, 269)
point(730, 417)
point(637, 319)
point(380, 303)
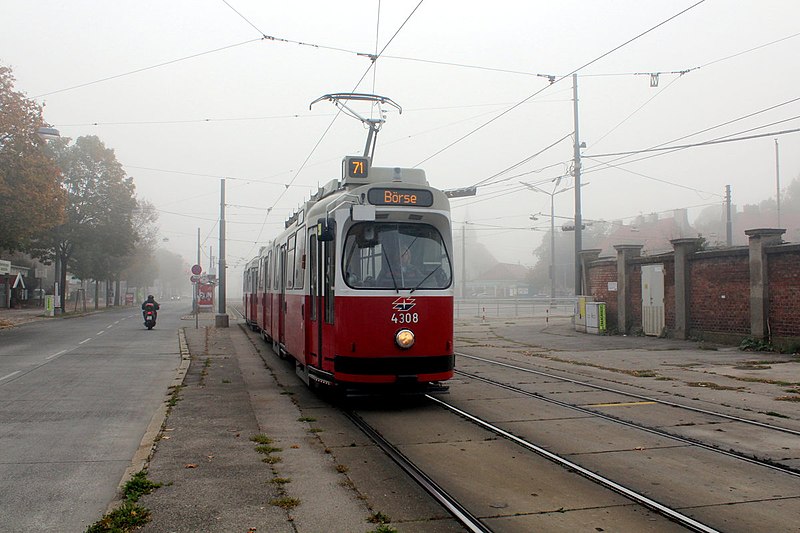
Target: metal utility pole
point(221, 320)
point(728, 221)
point(578, 218)
point(464, 261)
point(196, 296)
point(778, 182)
point(552, 248)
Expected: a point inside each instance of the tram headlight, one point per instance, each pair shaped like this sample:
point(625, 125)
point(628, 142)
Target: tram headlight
point(404, 338)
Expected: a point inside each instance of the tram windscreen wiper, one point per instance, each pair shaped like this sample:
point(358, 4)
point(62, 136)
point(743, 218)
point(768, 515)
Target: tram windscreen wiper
point(425, 278)
point(391, 273)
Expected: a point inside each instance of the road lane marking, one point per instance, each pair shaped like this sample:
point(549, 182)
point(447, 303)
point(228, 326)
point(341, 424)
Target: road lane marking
point(85, 340)
point(99, 333)
point(10, 375)
point(619, 404)
point(110, 326)
point(55, 354)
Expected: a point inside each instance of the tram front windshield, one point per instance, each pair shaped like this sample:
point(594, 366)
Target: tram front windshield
point(387, 255)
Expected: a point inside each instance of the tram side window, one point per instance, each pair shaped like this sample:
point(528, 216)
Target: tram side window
point(383, 255)
point(298, 264)
point(290, 246)
point(330, 276)
point(273, 268)
point(267, 278)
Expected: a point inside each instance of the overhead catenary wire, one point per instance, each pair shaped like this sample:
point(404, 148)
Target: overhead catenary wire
point(705, 143)
point(596, 59)
point(143, 69)
point(354, 52)
point(488, 180)
point(699, 132)
point(328, 128)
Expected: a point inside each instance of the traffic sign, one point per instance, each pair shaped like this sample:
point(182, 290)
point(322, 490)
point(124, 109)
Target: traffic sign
point(195, 278)
point(197, 270)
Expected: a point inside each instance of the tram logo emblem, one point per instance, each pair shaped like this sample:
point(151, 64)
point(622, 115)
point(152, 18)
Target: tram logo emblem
point(403, 304)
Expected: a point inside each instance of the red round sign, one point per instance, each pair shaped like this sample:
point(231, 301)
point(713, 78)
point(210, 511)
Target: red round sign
point(195, 278)
point(197, 269)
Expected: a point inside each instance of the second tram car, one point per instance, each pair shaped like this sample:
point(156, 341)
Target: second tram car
point(358, 289)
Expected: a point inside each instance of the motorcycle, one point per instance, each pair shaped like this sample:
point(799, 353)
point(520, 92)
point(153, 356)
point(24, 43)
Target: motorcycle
point(149, 318)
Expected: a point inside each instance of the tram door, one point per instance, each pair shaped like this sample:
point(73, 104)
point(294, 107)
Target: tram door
point(282, 298)
point(314, 331)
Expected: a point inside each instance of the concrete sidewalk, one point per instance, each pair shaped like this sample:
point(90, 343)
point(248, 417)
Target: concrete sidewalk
point(235, 388)
point(16, 316)
point(214, 478)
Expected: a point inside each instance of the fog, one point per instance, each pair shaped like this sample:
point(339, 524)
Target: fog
point(188, 92)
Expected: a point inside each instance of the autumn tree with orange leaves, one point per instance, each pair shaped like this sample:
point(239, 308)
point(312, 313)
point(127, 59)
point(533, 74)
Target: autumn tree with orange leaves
point(31, 197)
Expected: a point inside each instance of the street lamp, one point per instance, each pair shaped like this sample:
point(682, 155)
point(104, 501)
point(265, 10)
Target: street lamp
point(552, 196)
point(47, 133)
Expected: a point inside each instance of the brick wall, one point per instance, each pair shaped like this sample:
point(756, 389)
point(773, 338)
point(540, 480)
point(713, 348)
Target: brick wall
point(783, 265)
point(669, 293)
point(599, 275)
point(719, 292)
point(635, 298)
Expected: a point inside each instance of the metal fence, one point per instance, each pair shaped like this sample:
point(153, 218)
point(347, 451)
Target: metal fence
point(513, 307)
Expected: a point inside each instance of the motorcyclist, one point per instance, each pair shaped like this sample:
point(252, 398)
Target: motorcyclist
point(150, 305)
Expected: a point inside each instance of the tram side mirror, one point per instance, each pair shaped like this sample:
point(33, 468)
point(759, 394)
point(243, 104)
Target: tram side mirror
point(325, 229)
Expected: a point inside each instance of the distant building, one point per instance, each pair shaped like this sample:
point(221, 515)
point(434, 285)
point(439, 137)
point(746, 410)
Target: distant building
point(503, 280)
point(652, 231)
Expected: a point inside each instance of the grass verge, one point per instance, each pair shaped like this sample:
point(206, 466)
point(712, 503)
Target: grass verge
point(130, 515)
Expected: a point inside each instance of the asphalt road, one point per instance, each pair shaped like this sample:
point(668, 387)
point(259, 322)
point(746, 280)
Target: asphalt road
point(76, 396)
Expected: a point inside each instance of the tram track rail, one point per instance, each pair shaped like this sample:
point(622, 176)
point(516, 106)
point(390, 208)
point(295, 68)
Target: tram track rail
point(629, 394)
point(458, 511)
point(663, 510)
point(473, 523)
point(654, 431)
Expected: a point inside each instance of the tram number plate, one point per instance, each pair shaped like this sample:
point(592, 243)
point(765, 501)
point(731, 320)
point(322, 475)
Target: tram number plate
point(405, 318)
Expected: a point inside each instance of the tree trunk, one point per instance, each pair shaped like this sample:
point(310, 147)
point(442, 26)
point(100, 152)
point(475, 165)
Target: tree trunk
point(62, 289)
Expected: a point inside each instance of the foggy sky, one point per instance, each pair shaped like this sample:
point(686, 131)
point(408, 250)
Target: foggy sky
point(242, 112)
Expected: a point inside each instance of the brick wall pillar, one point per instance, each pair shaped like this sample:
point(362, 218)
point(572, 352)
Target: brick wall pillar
point(760, 239)
point(684, 248)
point(587, 256)
point(625, 252)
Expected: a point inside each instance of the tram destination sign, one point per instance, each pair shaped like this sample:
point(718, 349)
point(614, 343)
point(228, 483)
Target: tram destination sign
point(399, 196)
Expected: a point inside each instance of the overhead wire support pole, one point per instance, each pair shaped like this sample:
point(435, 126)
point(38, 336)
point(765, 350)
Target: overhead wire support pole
point(778, 182)
point(728, 220)
point(221, 320)
point(577, 170)
point(197, 287)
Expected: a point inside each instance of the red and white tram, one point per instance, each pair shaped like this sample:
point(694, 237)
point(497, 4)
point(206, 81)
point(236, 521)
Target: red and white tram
point(358, 289)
